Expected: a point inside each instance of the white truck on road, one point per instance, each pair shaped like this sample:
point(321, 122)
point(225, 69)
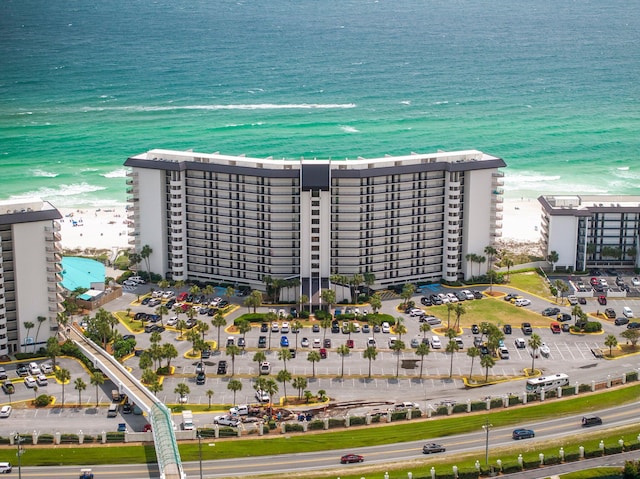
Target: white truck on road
point(187, 420)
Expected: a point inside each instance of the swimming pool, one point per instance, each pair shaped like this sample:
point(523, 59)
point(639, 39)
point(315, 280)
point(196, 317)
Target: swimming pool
point(81, 272)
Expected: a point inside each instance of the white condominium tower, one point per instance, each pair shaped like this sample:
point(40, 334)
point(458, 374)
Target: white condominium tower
point(30, 289)
point(233, 219)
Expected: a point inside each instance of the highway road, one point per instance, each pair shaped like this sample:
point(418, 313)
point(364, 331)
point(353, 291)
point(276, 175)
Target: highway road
point(324, 460)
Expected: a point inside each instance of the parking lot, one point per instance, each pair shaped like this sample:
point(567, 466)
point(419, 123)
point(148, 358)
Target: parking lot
point(395, 376)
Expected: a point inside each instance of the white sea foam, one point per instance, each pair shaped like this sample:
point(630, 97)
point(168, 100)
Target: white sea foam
point(119, 173)
point(63, 195)
point(349, 129)
point(44, 174)
point(405, 102)
point(249, 106)
point(623, 168)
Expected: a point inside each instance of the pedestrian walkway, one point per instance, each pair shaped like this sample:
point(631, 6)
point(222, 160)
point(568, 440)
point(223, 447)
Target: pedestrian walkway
point(164, 439)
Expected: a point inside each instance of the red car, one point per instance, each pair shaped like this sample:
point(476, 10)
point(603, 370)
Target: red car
point(555, 328)
point(349, 458)
point(146, 428)
point(602, 300)
point(594, 281)
point(323, 353)
point(182, 296)
point(350, 343)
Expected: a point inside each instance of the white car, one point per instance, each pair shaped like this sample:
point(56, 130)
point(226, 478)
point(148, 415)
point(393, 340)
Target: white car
point(635, 281)
point(262, 396)
point(416, 312)
point(452, 298)
point(522, 302)
point(520, 343)
point(46, 368)
point(30, 382)
point(5, 411)
point(356, 327)
point(275, 327)
point(168, 294)
point(285, 327)
point(129, 283)
point(435, 343)
point(172, 321)
point(468, 294)
point(626, 311)
point(371, 342)
point(445, 299)
point(316, 343)
point(386, 328)
point(304, 343)
point(544, 350)
point(42, 380)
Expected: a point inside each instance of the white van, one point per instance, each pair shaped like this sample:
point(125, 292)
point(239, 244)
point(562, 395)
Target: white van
point(627, 312)
point(113, 410)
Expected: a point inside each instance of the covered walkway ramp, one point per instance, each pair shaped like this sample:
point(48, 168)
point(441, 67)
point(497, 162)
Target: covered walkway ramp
point(164, 439)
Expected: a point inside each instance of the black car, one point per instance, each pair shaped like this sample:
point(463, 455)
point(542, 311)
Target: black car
point(582, 300)
point(201, 377)
point(550, 311)
point(126, 337)
point(242, 343)
point(293, 312)
point(262, 342)
point(222, 367)
point(149, 328)
point(477, 295)
point(205, 354)
point(223, 304)
point(621, 321)
point(633, 325)
point(475, 329)
point(506, 329)
point(145, 301)
point(170, 303)
point(335, 327)
point(127, 408)
point(562, 317)
point(293, 353)
point(523, 433)
point(140, 316)
point(264, 328)
point(432, 447)
point(425, 301)
point(326, 343)
point(510, 296)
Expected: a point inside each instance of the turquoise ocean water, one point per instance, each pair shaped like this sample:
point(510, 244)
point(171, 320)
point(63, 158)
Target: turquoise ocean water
point(553, 87)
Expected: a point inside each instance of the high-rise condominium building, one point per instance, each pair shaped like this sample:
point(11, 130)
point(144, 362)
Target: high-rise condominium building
point(30, 290)
point(212, 217)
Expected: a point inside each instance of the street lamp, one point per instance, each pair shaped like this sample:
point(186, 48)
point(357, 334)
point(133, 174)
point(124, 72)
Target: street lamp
point(200, 451)
point(486, 426)
point(18, 440)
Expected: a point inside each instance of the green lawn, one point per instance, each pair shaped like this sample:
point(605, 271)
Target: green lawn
point(595, 473)
point(531, 282)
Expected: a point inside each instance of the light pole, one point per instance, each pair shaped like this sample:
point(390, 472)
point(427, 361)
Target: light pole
point(200, 452)
point(18, 440)
point(486, 426)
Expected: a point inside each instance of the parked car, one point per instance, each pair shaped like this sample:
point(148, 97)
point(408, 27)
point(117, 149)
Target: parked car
point(635, 281)
point(562, 317)
point(41, 380)
point(222, 367)
point(602, 300)
point(3, 374)
point(621, 321)
point(30, 382)
point(544, 350)
point(627, 312)
point(262, 396)
point(432, 447)
point(610, 313)
point(201, 378)
point(475, 329)
point(5, 411)
point(284, 342)
point(520, 343)
point(304, 343)
point(572, 300)
point(633, 325)
point(350, 458)
point(8, 387)
point(522, 302)
point(582, 300)
point(503, 352)
point(555, 328)
point(435, 342)
point(550, 311)
point(526, 328)
point(262, 342)
point(22, 370)
point(522, 433)
point(350, 343)
point(226, 420)
point(506, 329)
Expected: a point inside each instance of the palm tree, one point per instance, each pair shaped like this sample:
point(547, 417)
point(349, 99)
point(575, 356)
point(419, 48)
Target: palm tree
point(244, 327)
point(325, 323)
point(491, 252)
point(53, 349)
point(371, 354)
point(459, 310)
point(63, 376)
point(400, 328)
point(553, 258)
point(284, 355)
point(451, 348)
point(486, 361)
point(28, 325)
point(229, 293)
point(422, 350)
point(219, 322)
point(161, 311)
point(611, 342)
point(314, 357)
point(156, 386)
point(407, 291)
point(328, 297)
point(97, 380)
point(169, 352)
point(508, 262)
point(424, 329)
point(343, 350)
point(182, 390)
point(79, 385)
point(235, 386)
point(473, 353)
point(450, 307)
point(203, 328)
point(258, 358)
point(375, 301)
point(299, 383)
point(534, 343)
point(210, 394)
point(471, 258)
point(284, 377)
point(397, 347)
point(41, 319)
point(296, 326)
point(374, 321)
point(270, 387)
point(144, 254)
point(233, 350)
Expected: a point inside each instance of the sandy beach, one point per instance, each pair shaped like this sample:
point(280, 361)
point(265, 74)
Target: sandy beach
point(106, 228)
point(103, 228)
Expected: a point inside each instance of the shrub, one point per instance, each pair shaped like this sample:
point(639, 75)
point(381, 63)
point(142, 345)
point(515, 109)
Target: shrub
point(357, 420)
point(293, 427)
point(71, 438)
point(632, 376)
point(398, 415)
point(568, 391)
point(571, 456)
point(336, 423)
point(592, 327)
point(43, 400)
point(460, 408)
point(315, 425)
point(479, 406)
point(551, 460)
point(496, 403)
point(304, 314)
point(441, 411)
point(583, 388)
point(45, 439)
point(513, 400)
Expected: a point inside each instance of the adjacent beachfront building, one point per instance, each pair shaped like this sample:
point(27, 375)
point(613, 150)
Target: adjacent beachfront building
point(212, 217)
point(30, 256)
point(591, 231)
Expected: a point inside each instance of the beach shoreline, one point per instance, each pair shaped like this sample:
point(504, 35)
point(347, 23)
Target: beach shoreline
point(107, 228)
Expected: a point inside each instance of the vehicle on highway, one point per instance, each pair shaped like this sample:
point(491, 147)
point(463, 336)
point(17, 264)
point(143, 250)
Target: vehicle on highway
point(432, 447)
point(351, 458)
point(590, 420)
point(522, 433)
point(535, 385)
